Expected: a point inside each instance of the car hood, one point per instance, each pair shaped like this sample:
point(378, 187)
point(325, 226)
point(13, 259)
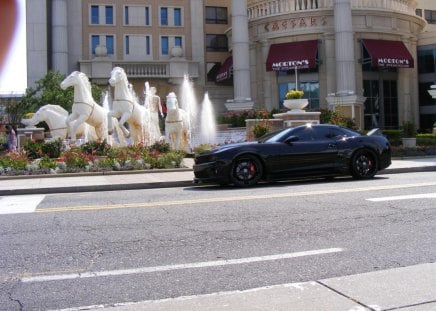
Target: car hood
point(229, 147)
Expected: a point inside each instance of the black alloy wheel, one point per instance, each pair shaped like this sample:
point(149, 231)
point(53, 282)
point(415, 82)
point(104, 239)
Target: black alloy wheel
point(364, 164)
point(246, 171)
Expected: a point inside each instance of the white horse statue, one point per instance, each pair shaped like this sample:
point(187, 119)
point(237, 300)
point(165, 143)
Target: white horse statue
point(177, 125)
point(55, 116)
point(126, 108)
point(85, 109)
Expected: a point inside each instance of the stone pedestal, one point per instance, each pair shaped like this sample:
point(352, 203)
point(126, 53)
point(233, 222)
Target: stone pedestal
point(295, 118)
point(29, 133)
point(350, 106)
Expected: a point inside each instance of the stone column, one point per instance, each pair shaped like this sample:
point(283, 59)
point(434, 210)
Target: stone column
point(241, 56)
point(267, 94)
point(345, 61)
point(345, 99)
point(197, 30)
point(36, 39)
point(60, 36)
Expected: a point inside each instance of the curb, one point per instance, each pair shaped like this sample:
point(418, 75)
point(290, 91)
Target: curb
point(97, 188)
point(144, 185)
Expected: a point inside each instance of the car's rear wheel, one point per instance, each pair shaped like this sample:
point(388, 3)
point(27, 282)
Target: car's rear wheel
point(246, 171)
point(364, 164)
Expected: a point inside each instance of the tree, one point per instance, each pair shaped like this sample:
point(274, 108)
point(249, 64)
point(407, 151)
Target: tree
point(47, 91)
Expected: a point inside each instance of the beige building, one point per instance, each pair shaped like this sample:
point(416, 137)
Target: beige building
point(155, 41)
point(359, 56)
point(373, 59)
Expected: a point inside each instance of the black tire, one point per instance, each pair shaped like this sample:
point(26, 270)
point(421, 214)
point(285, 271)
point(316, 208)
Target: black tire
point(364, 164)
point(246, 171)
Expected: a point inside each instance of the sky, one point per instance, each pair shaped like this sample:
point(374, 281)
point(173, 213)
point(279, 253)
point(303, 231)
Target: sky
point(13, 75)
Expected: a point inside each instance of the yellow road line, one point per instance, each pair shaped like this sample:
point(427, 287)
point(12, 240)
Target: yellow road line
point(228, 199)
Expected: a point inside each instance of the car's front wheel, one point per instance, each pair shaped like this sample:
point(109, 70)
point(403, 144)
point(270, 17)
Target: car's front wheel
point(364, 164)
point(246, 171)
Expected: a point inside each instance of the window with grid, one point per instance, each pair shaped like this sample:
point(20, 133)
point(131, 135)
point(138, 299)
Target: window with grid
point(137, 46)
point(135, 15)
point(107, 40)
point(430, 16)
point(216, 43)
point(102, 15)
point(216, 15)
point(172, 17)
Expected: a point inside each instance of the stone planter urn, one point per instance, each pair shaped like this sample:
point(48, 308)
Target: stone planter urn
point(100, 51)
point(409, 142)
point(296, 104)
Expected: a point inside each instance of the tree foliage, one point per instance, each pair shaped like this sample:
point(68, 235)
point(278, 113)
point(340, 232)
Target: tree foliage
point(47, 91)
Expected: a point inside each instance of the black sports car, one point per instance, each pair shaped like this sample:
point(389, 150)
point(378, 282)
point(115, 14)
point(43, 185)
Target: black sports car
point(309, 150)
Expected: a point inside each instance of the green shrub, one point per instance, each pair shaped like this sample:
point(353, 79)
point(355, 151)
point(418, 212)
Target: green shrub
point(160, 147)
point(96, 148)
point(171, 159)
point(14, 160)
point(75, 158)
point(33, 149)
point(52, 149)
point(46, 163)
point(408, 129)
point(394, 136)
point(426, 140)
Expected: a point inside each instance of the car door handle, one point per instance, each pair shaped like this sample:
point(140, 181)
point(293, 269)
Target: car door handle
point(331, 146)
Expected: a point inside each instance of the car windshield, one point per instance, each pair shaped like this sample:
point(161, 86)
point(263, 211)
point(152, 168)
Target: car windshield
point(277, 136)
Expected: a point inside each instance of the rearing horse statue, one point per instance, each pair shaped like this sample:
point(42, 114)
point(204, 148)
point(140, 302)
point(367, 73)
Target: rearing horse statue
point(126, 108)
point(85, 109)
point(55, 116)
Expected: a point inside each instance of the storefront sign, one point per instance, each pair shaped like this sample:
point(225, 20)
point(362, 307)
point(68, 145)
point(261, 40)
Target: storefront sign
point(393, 62)
point(294, 64)
point(300, 22)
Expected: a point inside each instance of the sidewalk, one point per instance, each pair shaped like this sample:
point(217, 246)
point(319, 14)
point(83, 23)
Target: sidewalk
point(130, 180)
point(407, 289)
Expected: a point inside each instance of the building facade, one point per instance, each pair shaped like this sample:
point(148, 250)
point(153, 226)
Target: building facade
point(356, 55)
point(427, 63)
point(155, 41)
point(373, 60)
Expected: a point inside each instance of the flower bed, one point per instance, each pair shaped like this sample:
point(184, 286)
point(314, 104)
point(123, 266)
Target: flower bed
point(90, 157)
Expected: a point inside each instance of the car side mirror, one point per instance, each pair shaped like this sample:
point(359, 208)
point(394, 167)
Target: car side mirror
point(291, 139)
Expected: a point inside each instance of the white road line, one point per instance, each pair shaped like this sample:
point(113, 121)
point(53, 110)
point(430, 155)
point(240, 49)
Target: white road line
point(20, 204)
point(404, 197)
point(80, 275)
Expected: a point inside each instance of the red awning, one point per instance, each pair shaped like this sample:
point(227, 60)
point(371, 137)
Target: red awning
point(385, 53)
point(226, 70)
point(292, 55)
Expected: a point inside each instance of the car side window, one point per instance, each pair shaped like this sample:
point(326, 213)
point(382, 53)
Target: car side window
point(336, 133)
point(305, 134)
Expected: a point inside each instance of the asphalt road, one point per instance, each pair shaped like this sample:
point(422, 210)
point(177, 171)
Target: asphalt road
point(84, 249)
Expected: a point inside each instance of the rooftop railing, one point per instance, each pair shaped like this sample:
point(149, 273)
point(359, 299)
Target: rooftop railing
point(264, 8)
point(148, 69)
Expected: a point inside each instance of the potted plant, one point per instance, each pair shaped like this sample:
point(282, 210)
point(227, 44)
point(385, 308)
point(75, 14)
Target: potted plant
point(294, 100)
point(409, 135)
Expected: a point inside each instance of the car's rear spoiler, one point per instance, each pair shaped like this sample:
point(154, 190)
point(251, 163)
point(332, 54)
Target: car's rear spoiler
point(375, 132)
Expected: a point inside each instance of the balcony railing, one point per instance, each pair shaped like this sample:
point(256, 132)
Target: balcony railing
point(150, 70)
point(171, 69)
point(264, 8)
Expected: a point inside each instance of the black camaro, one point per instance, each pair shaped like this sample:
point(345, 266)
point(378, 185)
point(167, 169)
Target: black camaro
point(309, 150)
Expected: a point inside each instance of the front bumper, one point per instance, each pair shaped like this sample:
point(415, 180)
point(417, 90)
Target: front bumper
point(211, 172)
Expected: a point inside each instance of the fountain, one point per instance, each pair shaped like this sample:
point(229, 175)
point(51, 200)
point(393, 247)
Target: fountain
point(208, 123)
point(188, 102)
point(203, 123)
